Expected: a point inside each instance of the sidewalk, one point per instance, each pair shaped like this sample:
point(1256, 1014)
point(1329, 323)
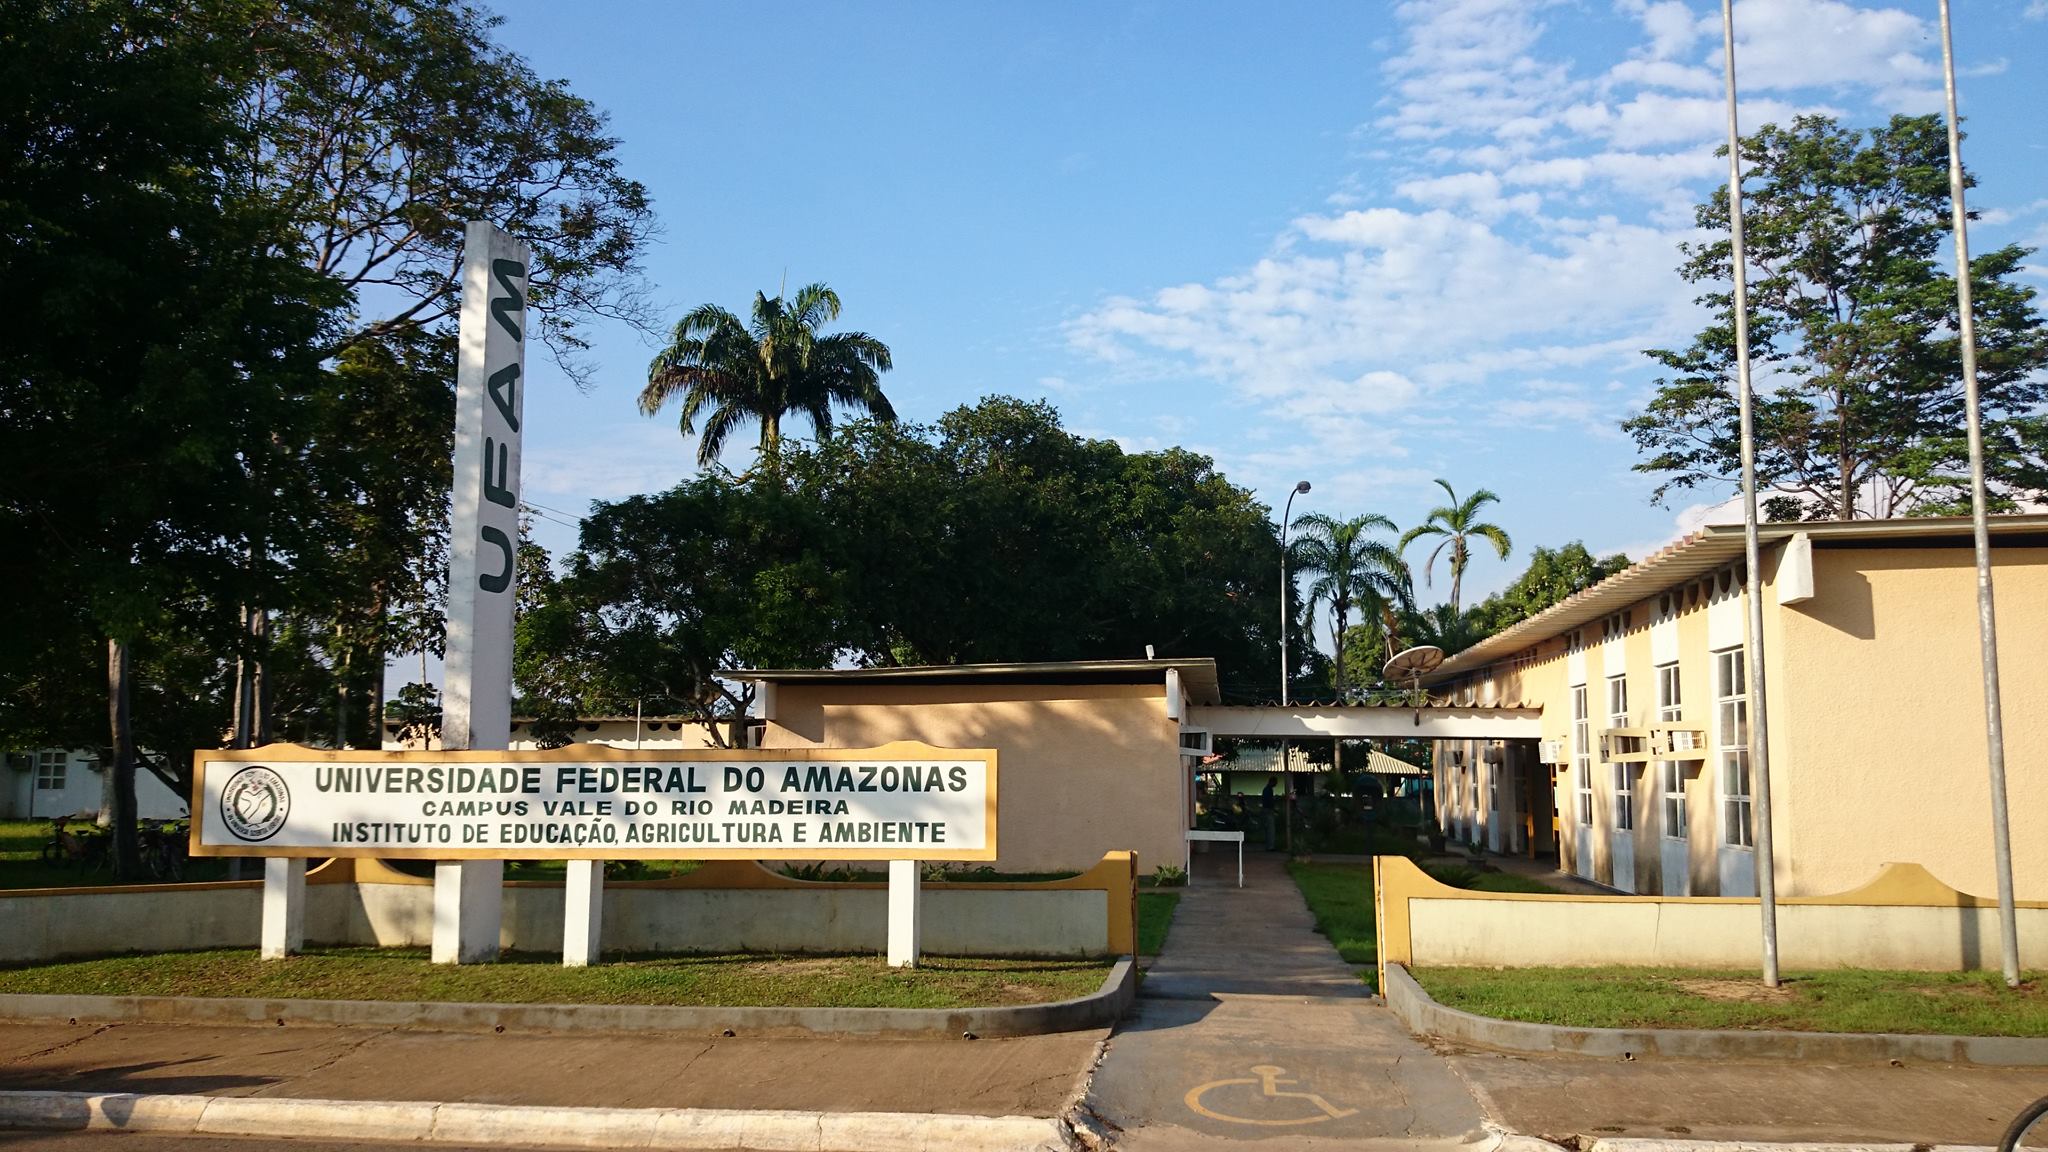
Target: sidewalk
point(1023, 1076)
point(1251, 1028)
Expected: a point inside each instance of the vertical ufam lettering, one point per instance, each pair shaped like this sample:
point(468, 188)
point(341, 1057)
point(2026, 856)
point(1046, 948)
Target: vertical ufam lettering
point(484, 516)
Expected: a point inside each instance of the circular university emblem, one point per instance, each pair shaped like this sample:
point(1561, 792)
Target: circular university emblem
point(254, 803)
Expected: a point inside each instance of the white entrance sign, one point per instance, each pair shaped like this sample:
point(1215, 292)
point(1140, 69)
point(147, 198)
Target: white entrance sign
point(483, 545)
point(899, 802)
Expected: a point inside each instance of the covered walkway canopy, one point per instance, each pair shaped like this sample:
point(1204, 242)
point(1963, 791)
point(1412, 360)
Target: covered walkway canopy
point(1368, 722)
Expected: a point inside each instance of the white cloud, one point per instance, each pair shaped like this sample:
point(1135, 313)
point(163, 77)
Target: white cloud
point(1788, 44)
point(1670, 27)
point(1478, 192)
point(1665, 74)
point(1468, 67)
point(1512, 249)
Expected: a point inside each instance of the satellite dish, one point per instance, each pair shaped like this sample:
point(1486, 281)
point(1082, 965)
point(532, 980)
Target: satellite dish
point(1413, 664)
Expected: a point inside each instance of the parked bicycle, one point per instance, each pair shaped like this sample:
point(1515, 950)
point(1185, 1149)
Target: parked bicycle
point(2029, 1129)
point(162, 845)
point(86, 849)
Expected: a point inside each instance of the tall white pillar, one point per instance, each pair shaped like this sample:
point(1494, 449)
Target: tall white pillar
point(905, 917)
point(582, 913)
point(284, 906)
point(483, 543)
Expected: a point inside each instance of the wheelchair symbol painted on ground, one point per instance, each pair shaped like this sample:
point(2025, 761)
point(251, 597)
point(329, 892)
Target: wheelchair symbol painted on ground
point(1268, 1079)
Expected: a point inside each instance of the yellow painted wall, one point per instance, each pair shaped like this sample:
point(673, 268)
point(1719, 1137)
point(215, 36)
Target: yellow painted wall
point(1086, 769)
point(1904, 917)
point(1876, 725)
point(1881, 752)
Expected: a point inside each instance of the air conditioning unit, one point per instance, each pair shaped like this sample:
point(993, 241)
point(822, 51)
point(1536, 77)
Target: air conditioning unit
point(1196, 742)
point(1550, 752)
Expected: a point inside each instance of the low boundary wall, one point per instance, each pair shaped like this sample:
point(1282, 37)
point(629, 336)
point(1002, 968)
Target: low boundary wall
point(1904, 918)
point(723, 906)
point(1099, 1009)
point(1426, 1017)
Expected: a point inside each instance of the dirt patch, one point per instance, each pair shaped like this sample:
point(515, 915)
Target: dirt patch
point(1737, 991)
point(794, 967)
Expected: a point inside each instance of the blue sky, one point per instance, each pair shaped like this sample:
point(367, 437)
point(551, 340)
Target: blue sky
point(1358, 244)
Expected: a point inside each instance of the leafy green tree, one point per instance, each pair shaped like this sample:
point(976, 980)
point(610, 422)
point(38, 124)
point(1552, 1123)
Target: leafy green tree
point(1854, 336)
point(999, 535)
point(1347, 568)
point(1441, 626)
point(726, 372)
point(994, 535)
point(165, 333)
point(385, 126)
point(1553, 574)
point(1458, 524)
point(666, 590)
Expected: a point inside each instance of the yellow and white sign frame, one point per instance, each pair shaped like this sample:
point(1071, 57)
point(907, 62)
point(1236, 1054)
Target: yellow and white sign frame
point(226, 763)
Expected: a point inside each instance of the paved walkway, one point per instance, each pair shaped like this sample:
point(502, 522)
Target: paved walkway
point(1250, 1027)
point(1024, 1076)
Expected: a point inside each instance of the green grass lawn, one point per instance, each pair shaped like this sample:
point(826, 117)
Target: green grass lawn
point(1846, 1000)
point(1155, 915)
point(22, 866)
point(1340, 895)
point(722, 981)
point(1464, 876)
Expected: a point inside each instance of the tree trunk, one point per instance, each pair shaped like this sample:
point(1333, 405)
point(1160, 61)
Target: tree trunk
point(373, 700)
point(240, 727)
point(259, 630)
point(771, 445)
point(127, 859)
point(341, 739)
point(1847, 511)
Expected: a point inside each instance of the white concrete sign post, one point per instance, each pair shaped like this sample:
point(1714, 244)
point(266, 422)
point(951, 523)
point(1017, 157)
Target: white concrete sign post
point(904, 803)
point(483, 544)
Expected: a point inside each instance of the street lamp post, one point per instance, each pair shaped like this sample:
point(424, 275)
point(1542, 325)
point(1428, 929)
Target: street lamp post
point(1286, 599)
point(1286, 619)
point(1987, 616)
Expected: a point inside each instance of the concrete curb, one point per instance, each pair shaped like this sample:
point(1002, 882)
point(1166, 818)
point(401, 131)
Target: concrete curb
point(1424, 1016)
point(473, 1124)
point(1633, 1144)
point(1099, 1009)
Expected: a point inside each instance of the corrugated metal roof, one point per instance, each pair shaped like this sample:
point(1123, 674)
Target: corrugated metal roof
point(1381, 764)
point(1696, 555)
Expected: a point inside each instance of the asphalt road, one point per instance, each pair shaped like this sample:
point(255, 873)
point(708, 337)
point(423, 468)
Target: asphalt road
point(146, 1142)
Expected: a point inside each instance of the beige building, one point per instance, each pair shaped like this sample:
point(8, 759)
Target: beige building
point(1096, 756)
point(1641, 779)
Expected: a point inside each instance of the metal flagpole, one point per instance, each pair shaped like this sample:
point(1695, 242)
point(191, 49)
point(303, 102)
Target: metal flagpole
point(1759, 710)
point(1987, 618)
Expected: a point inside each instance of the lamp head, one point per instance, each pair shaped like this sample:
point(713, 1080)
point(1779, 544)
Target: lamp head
point(1301, 488)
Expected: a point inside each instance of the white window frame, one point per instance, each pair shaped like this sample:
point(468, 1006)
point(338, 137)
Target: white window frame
point(1731, 743)
point(1582, 756)
point(51, 769)
point(1624, 773)
point(1671, 773)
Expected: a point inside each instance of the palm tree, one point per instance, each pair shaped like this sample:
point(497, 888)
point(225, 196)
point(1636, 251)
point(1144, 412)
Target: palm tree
point(729, 372)
point(1457, 522)
point(1348, 569)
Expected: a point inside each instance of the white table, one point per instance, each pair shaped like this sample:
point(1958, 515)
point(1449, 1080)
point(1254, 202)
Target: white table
point(1237, 837)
